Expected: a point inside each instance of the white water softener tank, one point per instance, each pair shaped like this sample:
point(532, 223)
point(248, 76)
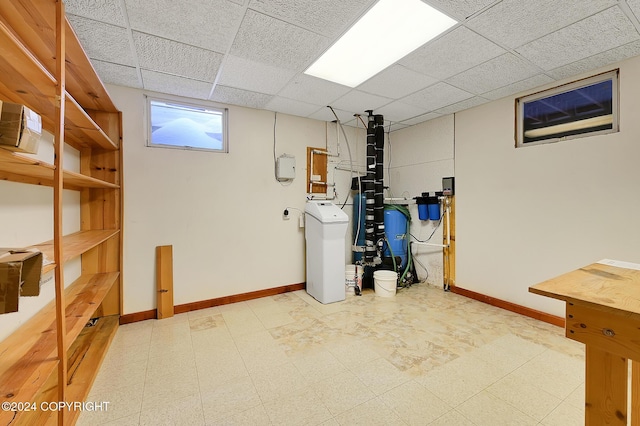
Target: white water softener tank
point(325, 230)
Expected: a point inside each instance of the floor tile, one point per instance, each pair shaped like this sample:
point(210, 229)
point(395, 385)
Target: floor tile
point(122, 403)
point(229, 399)
point(379, 375)
point(187, 412)
point(318, 365)
point(452, 418)
point(370, 413)
point(531, 400)
point(277, 383)
point(462, 378)
point(564, 415)
point(300, 408)
point(577, 397)
point(556, 373)
point(414, 404)
point(256, 416)
point(203, 312)
point(342, 392)
point(485, 409)
point(115, 376)
point(164, 389)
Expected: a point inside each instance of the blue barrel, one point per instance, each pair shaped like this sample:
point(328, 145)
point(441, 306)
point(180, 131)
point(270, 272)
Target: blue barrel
point(359, 207)
point(395, 228)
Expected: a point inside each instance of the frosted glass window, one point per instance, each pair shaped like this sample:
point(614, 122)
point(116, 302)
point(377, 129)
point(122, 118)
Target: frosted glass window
point(185, 126)
point(582, 108)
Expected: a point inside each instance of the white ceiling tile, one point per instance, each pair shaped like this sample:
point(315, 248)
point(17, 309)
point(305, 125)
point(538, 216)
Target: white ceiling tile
point(353, 123)
point(497, 72)
point(209, 24)
point(290, 106)
point(305, 87)
point(329, 18)
point(634, 5)
point(117, 74)
point(233, 96)
point(108, 11)
point(597, 61)
point(271, 41)
point(358, 102)
point(520, 86)
point(325, 114)
point(399, 111)
point(460, 9)
point(593, 35)
point(396, 82)
point(452, 53)
point(459, 106)
point(397, 126)
point(422, 118)
point(515, 22)
point(102, 41)
point(171, 57)
point(436, 96)
point(174, 85)
point(249, 75)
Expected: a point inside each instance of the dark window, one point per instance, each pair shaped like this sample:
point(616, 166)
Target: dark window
point(569, 111)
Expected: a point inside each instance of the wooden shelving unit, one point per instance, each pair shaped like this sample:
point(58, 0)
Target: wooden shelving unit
point(54, 356)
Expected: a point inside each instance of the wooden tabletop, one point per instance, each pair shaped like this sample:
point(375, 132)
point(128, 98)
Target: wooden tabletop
point(600, 284)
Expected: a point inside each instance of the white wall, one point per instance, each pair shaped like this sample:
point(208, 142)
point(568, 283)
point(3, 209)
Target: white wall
point(221, 212)
point(528, 214)
point(421, 156)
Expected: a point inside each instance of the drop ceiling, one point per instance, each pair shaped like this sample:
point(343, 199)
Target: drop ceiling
point(253, 53)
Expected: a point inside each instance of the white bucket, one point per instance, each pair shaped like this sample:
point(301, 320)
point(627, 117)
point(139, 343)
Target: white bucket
point(385, 283)
point(352, 278)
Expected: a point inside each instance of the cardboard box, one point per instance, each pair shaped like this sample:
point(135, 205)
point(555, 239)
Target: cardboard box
point(20, 272)
point(20, 128)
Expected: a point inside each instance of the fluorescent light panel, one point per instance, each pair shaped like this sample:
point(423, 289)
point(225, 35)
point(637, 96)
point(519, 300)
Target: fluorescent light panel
point(387, 32)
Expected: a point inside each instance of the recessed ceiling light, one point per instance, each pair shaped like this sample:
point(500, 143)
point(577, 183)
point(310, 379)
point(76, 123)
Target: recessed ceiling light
point(387, 32)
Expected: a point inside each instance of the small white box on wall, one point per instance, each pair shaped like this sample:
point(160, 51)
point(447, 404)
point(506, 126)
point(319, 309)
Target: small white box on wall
point(286, 167)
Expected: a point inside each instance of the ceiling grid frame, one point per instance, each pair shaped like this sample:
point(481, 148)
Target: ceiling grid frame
point(291, 93)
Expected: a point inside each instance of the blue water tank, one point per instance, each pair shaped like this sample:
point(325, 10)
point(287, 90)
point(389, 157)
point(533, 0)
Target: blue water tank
point(359, 206)
point(395, 227)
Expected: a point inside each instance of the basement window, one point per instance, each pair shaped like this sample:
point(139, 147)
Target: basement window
point(582, 108)
point(186, 126)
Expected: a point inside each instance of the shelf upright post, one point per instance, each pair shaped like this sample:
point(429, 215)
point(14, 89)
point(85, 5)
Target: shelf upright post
point(57, 204)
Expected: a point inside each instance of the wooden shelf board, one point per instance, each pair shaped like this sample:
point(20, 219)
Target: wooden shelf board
point(29, 355)
point(77, 243)
point(33, 85)
point(34, 23)
point(86, 356)
point(21, 168)
point(84, 128)
point(87, 292)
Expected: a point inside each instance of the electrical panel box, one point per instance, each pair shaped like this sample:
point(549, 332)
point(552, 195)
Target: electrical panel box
point(448, 186)
point(286, 167)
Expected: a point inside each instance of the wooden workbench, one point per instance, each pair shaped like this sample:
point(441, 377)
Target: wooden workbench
point(603, 312)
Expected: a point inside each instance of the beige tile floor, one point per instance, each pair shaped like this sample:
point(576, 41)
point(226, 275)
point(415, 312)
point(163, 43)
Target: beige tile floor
point(424, 357)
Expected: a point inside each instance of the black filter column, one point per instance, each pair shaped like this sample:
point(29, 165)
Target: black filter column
point(379, 179)
point(369, 192)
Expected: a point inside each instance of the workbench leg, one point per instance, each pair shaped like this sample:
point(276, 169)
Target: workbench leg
point(606, 388)
point(635, 393)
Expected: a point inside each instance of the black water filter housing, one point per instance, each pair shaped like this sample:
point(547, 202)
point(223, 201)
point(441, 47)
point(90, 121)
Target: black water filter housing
point(374, 187)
